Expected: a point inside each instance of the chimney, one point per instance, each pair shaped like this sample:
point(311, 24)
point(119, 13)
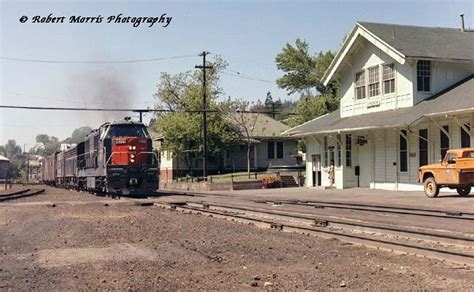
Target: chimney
point(462, 23)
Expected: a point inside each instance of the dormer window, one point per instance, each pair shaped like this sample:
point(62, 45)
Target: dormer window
point(360, 85)
point(423, 74)
point(388, 78)
point(374, 81)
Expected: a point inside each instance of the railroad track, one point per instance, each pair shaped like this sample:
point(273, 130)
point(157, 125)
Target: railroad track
point(20, 194)
point(457, 248)
point(376, 208)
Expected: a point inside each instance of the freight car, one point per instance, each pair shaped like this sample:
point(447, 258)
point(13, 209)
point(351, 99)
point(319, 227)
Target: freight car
point(48, 170)
point(117, 158)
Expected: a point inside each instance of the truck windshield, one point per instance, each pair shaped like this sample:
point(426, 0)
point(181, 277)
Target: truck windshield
point(128, 131)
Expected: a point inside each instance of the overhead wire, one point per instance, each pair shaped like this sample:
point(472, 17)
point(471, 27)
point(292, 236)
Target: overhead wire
point(95, 61)
point(243, 76)
point(143, 110)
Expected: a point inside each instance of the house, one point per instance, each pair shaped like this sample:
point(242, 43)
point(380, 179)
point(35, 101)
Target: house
point(407, 95)
point(4, 169)
point(268, 148)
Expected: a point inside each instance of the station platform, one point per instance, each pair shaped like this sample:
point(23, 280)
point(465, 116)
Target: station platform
point(445, 201)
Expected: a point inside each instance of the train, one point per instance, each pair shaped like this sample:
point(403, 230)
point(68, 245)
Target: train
point(117, 158)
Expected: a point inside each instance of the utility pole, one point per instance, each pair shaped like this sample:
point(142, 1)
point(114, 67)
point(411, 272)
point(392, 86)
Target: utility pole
point(141, 113)
point(27, 163)
point(204, 114)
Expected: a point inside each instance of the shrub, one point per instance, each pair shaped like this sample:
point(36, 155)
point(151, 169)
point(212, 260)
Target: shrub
point(270, 181)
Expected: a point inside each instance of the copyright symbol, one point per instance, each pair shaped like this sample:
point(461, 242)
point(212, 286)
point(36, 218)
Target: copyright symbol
point(23, 19)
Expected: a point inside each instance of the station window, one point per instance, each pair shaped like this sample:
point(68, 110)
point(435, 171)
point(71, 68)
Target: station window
point(444, 141)
point(374, 81)
point(271, 150)
point(348, 150)
point(423, 146)
point(465, 137)
point(403, 151)
point(279, 150)
point(423, 75)
point(388, 78)
point(360, 85)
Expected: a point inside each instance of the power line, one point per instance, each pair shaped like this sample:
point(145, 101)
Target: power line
point(136, 110)
point(244, 76)
point(94, 109)
point(94, 61)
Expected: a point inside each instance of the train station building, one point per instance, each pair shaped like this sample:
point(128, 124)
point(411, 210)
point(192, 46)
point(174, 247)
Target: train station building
point(407, 96)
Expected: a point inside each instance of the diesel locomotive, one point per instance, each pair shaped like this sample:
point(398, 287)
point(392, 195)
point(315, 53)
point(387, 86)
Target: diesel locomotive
point(117, 158)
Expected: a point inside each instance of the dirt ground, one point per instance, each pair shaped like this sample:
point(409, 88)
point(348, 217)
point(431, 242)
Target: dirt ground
point(94, 243)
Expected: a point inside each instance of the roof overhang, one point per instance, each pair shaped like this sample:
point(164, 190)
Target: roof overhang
point(348, 130)
point(357, 32)
point(454, 60)
point(399, 126)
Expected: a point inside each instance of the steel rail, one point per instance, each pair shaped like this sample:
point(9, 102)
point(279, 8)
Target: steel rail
point(300, 216)
point(387, 209)
point(334, 233)
point(14, 193)
point(21, 195)
point(383, 206)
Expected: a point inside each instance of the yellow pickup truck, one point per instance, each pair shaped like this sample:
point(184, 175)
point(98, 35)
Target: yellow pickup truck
point(456, 171)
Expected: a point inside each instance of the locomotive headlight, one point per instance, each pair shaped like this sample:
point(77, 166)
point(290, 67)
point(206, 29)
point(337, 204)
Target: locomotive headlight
point(132, 160)
point(129, 147)
point(132, 156)
point(134, 147)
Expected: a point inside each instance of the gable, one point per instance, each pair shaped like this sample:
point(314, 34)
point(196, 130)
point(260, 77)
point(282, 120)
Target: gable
point(402, 42)
point(352, 44)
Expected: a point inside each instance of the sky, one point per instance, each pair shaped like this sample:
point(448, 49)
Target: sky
point(247, 34)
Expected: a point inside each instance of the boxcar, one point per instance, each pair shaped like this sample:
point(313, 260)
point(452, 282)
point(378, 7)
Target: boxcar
point(60, 167)
point(49, 169)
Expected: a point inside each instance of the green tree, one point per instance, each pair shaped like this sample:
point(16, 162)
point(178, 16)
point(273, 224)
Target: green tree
point(246, 122)
point(310, 107)
point(182, 130)
point(17, 160)
point(51, 147)
point(302, 74)
point(79, 135)
point(42, 138)
point(11, 150)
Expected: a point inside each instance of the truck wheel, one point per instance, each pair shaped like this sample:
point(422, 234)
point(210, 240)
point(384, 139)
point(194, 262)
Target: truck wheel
point(431, 188)
point(464, 191)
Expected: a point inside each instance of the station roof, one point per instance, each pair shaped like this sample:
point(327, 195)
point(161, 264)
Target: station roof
point(456, 99)
point(265, 126)
point(3, 158)
point(403, 42)
point(425, 42)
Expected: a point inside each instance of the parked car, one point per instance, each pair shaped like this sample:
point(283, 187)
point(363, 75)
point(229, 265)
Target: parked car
point(456, 171)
